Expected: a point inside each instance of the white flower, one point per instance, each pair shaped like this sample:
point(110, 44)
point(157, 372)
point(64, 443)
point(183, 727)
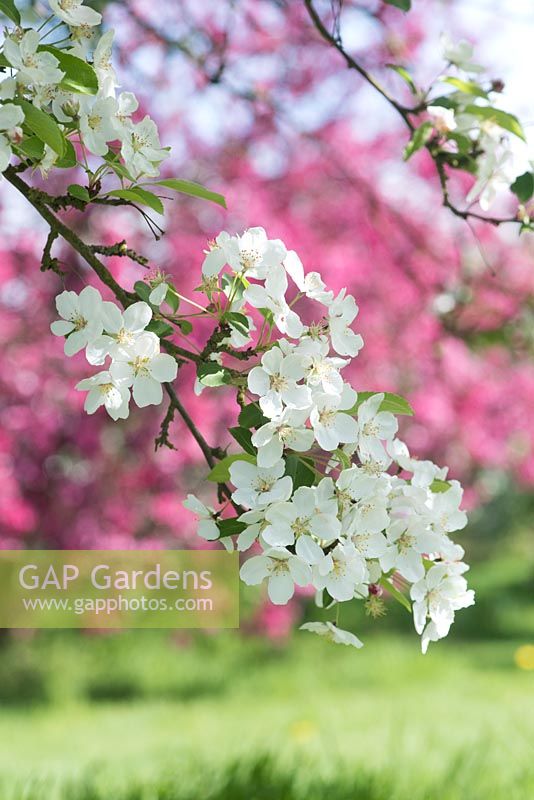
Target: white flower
point(275, 382)
point(407, 541)
point(321, 370)
point(310, 284)
point(440, 593)
point(141, 149)
point(341, 572)
point(369, 515)
point(253, 253)
point(127, 103)
point(207, 527)
point(424, 472)
point(459, 54)
point(103, 390)
point(303, 516)
point(102, 64)
point(332, 633)
point(258, 486)
point(11, 117)
point(281, 568)
point(342, 312)
point(442, 119)
point(74, 13)
point(285, 431)
point(356, 483)
point(445, 514)
point(375, 426)
point(97, 124)
point(145, 370)
point(122, 331)
point(272, 297)
point(255, 522)
point(215, 257)
point(33, 67)
point(496, 171)
point(330, 425)
point(81, 318)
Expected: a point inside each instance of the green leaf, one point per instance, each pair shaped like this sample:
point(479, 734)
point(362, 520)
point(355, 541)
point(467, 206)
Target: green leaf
point(229, 527)
point(523, 187)
point(251, 417)
point(185, 326)
point(300, 470)
point(467, 87)
point(342, 458)
point(221, 471)
point(399, 597)
point(80, 77)
point(393, 403)
point(160, 328)
point(140, 196)
point(506, 121)
point(405, 75)
point(243, 437)
point(172, 299)
point(420, 137)
point(31, 147)
point(10, 10)
point(212, 374)
point(192, 189)
point(80, 192)
point(404, 5)
point(142, 290)
point(438, 486)
point(68, 159)
point(43, 126)
point(238, 321)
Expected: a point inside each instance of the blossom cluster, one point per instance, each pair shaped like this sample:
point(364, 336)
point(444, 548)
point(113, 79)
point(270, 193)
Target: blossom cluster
point(137, 367)
point(324, 489)
point(61, 93)
point(470, 132)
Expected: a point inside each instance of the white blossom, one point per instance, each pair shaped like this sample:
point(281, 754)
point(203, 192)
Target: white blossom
point(74, 13)
point(441, 592)
point(145, 370)
point(34, 67)
point(81, 319)
point(259, 486)
point(330, 424)
point(141, 149)
point(282, 570)
point(275, 382)
point(103, 390)
point(207, 527)
point(332, 633)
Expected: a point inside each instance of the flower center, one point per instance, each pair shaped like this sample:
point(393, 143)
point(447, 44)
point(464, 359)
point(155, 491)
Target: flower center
point(124, 337)
point(78, 321)
point(370, 428)
point(405, 542)
point(140, 366)
point(278, 566)
point(277, 382)
point(264, 484)
point(301, 526)
point(249, 258)
point(327, 417)
point(105, 388)
point(94, 121)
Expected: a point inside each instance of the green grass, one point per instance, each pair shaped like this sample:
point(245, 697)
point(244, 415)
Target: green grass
point(141, 716)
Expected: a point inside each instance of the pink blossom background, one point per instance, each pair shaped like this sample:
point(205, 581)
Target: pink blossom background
point(255, 106)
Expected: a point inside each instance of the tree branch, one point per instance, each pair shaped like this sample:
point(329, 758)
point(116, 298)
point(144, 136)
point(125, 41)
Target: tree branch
point(334, 40)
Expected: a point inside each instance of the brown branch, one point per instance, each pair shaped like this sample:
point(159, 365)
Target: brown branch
point(121, 250)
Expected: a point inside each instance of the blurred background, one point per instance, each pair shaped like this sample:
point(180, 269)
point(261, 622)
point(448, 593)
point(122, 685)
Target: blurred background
point(255, 106)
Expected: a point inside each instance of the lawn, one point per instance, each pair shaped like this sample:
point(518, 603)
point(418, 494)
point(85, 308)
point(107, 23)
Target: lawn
point(145, 716)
